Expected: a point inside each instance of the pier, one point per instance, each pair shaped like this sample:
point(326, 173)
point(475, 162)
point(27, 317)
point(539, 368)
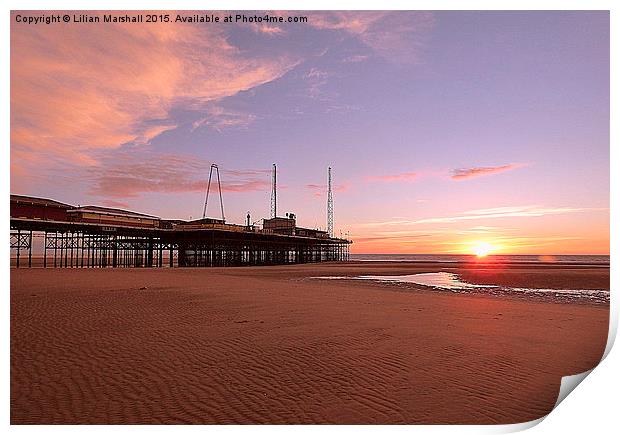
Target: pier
point(50, 234)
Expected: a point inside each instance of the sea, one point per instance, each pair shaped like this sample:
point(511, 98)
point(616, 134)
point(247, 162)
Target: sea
point(602, 260)
point(446, 281)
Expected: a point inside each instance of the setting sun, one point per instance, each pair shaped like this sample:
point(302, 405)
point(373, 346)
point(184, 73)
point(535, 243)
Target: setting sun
point(483, 249)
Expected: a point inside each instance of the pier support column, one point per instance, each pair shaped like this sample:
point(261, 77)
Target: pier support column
point(19, 236)
point(182, 255)
point(149, 253)
point(45, 250)
point(114, 253)
point(30, 249)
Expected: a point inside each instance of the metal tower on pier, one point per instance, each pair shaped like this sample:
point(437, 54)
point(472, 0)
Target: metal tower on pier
point(330, 204)
point(274, 193)
point(219, 187)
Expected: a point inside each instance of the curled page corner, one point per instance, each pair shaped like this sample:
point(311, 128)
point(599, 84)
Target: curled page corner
point(519, 427)
point(568, 384)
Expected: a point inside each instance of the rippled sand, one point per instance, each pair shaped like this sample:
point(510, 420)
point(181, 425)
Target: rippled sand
point(269, 345)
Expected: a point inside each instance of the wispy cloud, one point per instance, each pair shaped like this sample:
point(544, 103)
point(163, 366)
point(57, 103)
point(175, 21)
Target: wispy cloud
point(267, 29)
point(355, 58)
point(319, 190)
point(399, 237)
point(482, 229)
point(396, 36)
point(75, 89)
point(509, 210)
point(246, 172)
point(317, 87)
point(491, 213)
point(480, 171)
point(392, 178)
point(220, 118)
point(128, 175)
point(502, 212)
point(316, 79)
point(153, 129)
point(115, 204)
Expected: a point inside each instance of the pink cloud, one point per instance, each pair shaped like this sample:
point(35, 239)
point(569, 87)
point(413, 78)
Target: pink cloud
point(267, 29)
point(219, 119)
point(245, 185)
point(466, 173)
point(394, 239)
point(403, 177)
point(350, 21)
point(115, 204)
point(319, 190)
point(75, 89)
point(394, 35)
point(127, 176)
point(247, 172)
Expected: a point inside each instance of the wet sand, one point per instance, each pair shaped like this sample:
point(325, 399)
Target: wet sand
point(271, 345)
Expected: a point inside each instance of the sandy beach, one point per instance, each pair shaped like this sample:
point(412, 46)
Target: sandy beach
point(274, 345)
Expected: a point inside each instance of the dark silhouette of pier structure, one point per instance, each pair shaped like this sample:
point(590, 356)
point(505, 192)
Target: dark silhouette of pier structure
point(48, 233)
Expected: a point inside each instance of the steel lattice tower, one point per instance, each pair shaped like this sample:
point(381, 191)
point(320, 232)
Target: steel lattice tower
point(219, 187)
point(330, 204)
point(274, 193)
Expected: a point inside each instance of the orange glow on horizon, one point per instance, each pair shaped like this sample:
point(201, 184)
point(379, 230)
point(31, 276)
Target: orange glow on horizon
point(482, 249)
point(543, 243)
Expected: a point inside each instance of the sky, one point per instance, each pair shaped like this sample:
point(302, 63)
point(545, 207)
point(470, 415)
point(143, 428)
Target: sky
point(447, 132)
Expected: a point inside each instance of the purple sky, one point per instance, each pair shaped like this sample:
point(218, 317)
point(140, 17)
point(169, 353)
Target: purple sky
point(444, 130)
